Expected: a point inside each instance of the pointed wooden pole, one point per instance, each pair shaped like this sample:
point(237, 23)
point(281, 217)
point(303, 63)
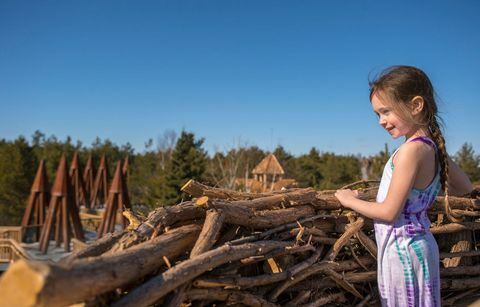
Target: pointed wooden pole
point(79, 194)
point(34, 215)
point(126, 164)
point(89, 180)
point(100, 189)
point(62, 212)
point(117, 200)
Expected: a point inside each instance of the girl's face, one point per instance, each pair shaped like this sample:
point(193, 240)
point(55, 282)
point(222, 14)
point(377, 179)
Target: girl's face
point(389, 120)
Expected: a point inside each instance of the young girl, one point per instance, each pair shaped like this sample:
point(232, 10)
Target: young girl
point(408, 257)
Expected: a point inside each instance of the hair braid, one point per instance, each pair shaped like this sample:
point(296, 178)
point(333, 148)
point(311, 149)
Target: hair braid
point(437, 135)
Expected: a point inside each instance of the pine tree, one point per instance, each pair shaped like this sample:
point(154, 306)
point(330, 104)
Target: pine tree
point(286, 160)
point(308, 173)
point(378, 163)
point(17, 170)
point(188, 162)
point(468, 162)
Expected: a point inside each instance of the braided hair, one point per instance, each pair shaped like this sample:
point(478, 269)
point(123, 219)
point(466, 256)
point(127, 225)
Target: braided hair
point(401, 84)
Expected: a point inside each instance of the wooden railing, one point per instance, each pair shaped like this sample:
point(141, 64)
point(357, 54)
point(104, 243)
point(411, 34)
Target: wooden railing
point(10, 250)
point(11, 232)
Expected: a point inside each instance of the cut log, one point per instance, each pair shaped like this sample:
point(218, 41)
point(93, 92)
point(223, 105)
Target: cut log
point(196, 189)
point(454, 227)
point(255, 281)
point(262, 219)
point(157, 287)
point(209, 234)
point(95, 249)
point(156, 222)
point(41, 284)
point(210, 231)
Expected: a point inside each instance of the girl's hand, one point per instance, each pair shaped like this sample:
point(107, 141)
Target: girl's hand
point(346, 196)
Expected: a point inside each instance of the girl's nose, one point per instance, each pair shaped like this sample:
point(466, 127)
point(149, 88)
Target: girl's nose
point(382, 121)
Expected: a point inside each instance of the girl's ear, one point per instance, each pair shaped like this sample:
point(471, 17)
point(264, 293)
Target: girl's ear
point(417, 104)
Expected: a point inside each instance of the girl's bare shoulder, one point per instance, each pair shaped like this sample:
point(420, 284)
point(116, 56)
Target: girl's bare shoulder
point(416, 152)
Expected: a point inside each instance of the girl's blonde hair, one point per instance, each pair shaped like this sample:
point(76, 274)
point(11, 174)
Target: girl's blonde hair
point(401, 84)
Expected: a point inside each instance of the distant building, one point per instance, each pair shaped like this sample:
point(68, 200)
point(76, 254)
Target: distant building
point(268, 175)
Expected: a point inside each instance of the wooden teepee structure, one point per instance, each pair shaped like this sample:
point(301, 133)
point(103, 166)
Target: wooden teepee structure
point(34, 215)
point(62, 213)
point(75, 174)
point(117, 200)
point(100, 189)
point(89, 180)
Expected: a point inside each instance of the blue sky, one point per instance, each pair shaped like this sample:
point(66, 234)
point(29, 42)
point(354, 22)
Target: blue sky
point(263, 73)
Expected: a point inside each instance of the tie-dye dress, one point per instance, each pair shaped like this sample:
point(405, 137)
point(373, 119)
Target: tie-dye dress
point(408, 257)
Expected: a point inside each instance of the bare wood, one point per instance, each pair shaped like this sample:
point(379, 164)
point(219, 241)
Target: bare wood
point(324, 199)
point(350, 230)
point(210, 231)
point(97, 248)
point(230, 296)
point(196, 189)
point(455, 227)
point(42, 284)
point(157, 287)
point(368, 243)
point(342, 282)
point(156, 222)
point(280, 228)
point(460, 271)
point(316, 269)
point(255, 281)
point(243, 216)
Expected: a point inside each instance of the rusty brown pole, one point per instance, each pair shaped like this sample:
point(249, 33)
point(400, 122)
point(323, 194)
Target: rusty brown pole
point(117, 200)
point(62, 212)
point(34, 215)
point(79, 194)
point(100, 189)
point(126, 164)
point(89, 181)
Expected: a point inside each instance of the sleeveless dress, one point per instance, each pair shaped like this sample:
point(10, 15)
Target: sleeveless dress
point(408, 256)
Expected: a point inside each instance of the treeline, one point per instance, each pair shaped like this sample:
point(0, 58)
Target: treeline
point(156, 174)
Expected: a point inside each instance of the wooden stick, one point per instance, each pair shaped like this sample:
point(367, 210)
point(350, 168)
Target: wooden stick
point(97, 248)
point(316, 269)
point(255, 281)
point(454, 227)
point(157, 287)
point(39, 283)
point(196, 189)
point(350, 230)
point(210, 231)
point(230, 296)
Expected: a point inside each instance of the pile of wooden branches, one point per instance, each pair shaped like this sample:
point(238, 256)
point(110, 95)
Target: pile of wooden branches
point(289, 248)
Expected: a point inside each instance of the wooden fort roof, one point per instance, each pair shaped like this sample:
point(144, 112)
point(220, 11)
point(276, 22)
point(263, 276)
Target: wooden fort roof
point(269, 165)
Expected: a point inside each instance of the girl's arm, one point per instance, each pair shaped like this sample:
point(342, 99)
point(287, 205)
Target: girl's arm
point(406, 167)
point(458, 182)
